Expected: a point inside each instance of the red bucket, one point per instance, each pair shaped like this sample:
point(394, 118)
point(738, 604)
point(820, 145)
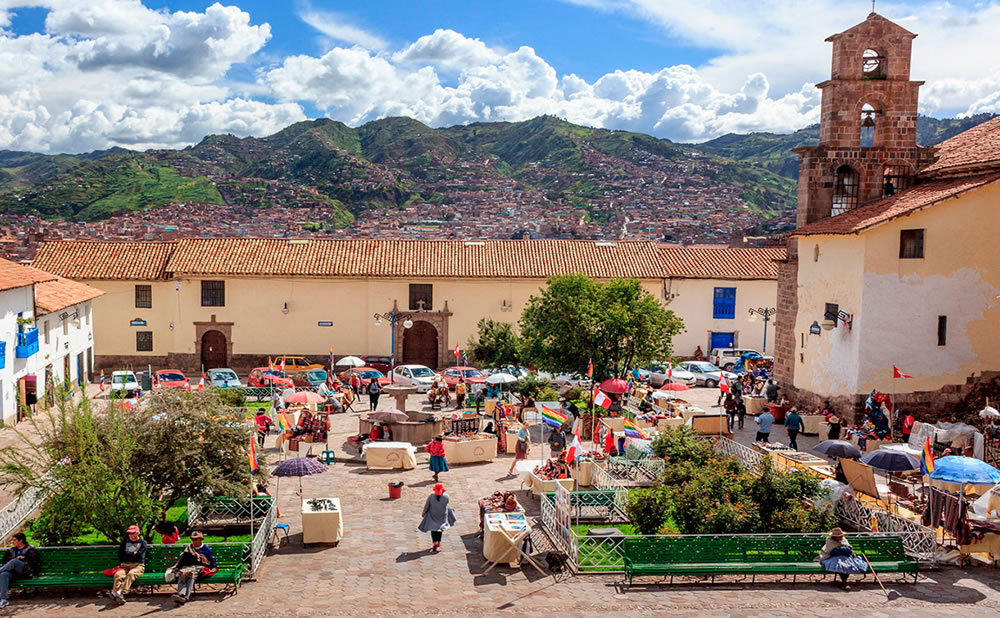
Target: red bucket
point(395, 490)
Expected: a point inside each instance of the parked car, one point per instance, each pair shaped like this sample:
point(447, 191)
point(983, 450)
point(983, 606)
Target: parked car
point(517, 372)
point(658, 375)
point(705, 373)
point(171, 378)
point(309, 377)
point(367, 375)
point(420, 376)
point(471, 375)
point(265, 376)
point(727, 357)
point(382, 363)
point(223, 378)
point(124, 382)
point(296, 363)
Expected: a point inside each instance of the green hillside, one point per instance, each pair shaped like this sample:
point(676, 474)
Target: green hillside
point(97, 189)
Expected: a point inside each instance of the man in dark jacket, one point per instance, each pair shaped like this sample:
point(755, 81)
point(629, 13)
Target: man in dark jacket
point(196, 558)
point(20, 562)
point(131, 563)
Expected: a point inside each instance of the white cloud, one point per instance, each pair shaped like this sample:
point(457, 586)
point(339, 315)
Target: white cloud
point(336, 27)
point(447, 49)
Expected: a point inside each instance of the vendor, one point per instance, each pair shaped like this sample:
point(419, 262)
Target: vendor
point(646, 404)
point(376, 432)
point(557, 441)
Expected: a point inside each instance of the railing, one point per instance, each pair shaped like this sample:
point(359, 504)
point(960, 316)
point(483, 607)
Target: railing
point(604, 481)
point(750, 458)
point(230, 509)
point(263, 535)
point(14, 514)
point(27, 343)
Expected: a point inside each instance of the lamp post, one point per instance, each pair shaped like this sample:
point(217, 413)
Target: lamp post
point(393, 317)
point(766, 313)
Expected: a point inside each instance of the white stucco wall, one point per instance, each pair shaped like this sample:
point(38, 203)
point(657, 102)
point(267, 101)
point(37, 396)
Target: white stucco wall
point(693, 301)
point(76, 338)
point(11, 303)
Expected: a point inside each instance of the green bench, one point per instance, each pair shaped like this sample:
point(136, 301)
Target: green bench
point(83, 567)
point(754, 555)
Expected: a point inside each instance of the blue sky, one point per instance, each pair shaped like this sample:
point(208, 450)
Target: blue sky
point(149, 73)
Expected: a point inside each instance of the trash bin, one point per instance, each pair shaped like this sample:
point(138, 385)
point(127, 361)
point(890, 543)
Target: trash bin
point(396, 489)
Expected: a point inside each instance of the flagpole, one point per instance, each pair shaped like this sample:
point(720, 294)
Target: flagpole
point(251, 489)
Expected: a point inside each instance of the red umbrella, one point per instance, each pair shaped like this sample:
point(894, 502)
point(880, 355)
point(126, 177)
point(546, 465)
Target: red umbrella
point(304, 397)
point(614, 385)
point(674, 386)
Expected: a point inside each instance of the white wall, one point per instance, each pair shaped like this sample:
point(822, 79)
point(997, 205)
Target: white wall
point(693, 301)
point(11, 303)
point(66, 338)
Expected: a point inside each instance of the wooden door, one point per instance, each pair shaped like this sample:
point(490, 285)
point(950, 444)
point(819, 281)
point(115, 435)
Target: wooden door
point(420, 345)
point(213, 350)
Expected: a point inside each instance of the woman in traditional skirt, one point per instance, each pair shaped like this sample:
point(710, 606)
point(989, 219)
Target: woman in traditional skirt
point(436, 450)
point(521, 448)
point(838, 557)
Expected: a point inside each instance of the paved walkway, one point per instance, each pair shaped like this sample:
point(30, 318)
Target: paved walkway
point(383, 567)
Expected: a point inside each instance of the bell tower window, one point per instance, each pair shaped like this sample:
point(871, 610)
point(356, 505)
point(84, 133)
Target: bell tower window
point(868, 121)
point(873, 65)
point(895, 178)
point(845, 190)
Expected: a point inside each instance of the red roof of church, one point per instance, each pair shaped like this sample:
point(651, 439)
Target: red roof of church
point(975, 150)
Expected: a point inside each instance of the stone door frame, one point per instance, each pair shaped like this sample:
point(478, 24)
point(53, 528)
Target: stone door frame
point(200, 328)
point(438, 319)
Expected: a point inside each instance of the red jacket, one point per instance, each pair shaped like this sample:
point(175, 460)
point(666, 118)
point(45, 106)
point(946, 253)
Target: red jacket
point(435, 448)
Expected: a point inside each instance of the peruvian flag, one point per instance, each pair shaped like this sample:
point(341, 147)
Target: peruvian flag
point(575, 448)
point(600, 399)
point(670, 370)
point(896, 373)
point(723, 383)
point(456, 351)
point(201, 384)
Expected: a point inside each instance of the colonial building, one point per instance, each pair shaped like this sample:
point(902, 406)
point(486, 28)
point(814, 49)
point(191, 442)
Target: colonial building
point(235, 301)
point(894, 259)
point(47, 337)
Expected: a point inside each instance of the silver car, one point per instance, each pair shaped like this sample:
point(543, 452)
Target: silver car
point(705, 373)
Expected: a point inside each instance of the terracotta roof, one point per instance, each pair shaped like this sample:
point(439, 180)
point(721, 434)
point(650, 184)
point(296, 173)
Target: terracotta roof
point(906, 202)
point(519, 259)
point(975, 150)
point(721, 263)
point(142, 261)
point(17, 276)
point(59, 293)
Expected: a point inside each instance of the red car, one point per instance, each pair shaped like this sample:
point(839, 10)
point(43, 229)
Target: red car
point(171, 378)
point(471, 375)
point(382, 363)
point(367, 375)
point(265, 376)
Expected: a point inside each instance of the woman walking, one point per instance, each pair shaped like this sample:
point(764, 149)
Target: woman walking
point(521, 448)
point(437, 516)
point(438, 462)
point(374, 390)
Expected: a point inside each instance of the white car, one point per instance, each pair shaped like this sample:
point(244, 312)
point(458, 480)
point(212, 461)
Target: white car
point(124, 382)
point(420, 376)
point(727, 357)
point(658, 375)
point(705, 373)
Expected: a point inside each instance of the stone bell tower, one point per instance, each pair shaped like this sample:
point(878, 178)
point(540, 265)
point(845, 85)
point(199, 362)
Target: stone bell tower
point(867, 149)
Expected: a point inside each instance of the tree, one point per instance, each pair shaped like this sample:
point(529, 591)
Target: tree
point(496, 344)
point(616, 324)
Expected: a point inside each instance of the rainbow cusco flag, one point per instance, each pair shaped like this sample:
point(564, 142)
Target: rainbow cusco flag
point(632, 431)
point(552, 417)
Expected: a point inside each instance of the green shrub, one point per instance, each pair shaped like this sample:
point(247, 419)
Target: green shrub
point(648, 509)
point(547, 394)
point(578, 392)
point(531, 385)
point(682, 444)
point(57, 524)
point(231, 397)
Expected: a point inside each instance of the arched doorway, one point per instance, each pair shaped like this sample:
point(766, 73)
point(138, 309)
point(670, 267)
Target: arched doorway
point(213, 350)
point(420, 345)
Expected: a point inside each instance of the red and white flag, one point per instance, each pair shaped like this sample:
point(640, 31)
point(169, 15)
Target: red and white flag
point(201, 384)
point(456, 351)
point(896, 373)
point(670, 370)
point(600, 399)
point(575, 448)
point(723, 383)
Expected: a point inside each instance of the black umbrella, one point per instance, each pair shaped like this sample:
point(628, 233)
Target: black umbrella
point(838, 448)
point(891, 460)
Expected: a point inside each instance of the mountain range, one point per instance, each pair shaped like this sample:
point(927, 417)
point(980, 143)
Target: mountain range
point(396, 164)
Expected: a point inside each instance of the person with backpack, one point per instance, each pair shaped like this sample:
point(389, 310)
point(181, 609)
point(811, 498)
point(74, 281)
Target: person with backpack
point(374, 391)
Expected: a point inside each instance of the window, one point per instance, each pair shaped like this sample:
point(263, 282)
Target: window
point(46, 329)
point(144, 341)
point(911, 244)
point(213, 293)
point(895, 178)
point(724, 305)
point(869, 118)
point(845, 190)
point(144, 297)
point(66, 325)
point(831, 313)
point(942, 330)
point(421, 292)
point(873, 65)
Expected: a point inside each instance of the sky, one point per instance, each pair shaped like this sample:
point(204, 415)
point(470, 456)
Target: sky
point(79, 75)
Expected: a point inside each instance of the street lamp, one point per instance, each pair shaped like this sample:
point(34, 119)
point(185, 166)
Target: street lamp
point(393, 317)
point(766, 313)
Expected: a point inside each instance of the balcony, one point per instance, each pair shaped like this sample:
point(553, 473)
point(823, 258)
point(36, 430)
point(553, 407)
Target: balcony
point(3, 354)
point(27, 344)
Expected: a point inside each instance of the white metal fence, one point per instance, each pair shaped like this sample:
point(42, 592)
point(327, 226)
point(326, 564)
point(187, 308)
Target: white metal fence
point(19, 509)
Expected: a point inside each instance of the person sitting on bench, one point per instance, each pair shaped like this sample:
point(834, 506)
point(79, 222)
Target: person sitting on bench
point(20, 562)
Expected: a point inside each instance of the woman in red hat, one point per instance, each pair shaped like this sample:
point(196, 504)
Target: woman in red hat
point(438, 516)
point(131, 563)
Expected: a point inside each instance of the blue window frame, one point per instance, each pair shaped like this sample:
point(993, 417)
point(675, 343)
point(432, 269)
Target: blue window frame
point(27, 343)
point(724, 304)
point(723, 341)
point(3, 354)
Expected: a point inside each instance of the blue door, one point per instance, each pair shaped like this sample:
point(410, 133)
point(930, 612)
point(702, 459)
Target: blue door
point(722, 340)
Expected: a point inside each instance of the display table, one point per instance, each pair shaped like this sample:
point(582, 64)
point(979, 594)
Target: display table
point(797, 460)
point(538, 486)
point(390, 455)
point(322, 525)
point(498, 529)
point(754, 405)
point(511, 443)
point(583, 472)
point(470, 451)
point(813, 424)
point(870, 444)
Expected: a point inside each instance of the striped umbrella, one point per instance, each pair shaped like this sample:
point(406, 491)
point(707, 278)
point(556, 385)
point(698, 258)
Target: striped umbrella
point(298, 466)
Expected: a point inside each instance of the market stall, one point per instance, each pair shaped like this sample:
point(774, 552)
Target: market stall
point(389, 455)
point(582, 469)
point(754, 405)
point(322, 521)
point(470, 448)
point(545, 477)
point(814, 424)
point(499, 533)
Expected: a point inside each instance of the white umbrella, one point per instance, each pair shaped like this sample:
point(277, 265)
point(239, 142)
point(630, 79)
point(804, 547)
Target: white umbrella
point(989, 412)
point(501, 378)
point(350, 361)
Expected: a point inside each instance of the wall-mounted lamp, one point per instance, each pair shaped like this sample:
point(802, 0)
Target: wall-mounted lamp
point(505, 306)
point(830, 319)
point(177, 287)
point(284, 308)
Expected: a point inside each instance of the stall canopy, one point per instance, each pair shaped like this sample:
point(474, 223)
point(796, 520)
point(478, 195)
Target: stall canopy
point(964, 470)
point(614, 385)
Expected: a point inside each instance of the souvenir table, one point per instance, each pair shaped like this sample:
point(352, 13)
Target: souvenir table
point(498, 529)
point(754, 405)
point(389, 455)
point(539, 486)
point(498, 502)
point(583, 470)
point(322, 521)
point(813, 424)
point(798, 460)
point(469, 451)
point(871, 444)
